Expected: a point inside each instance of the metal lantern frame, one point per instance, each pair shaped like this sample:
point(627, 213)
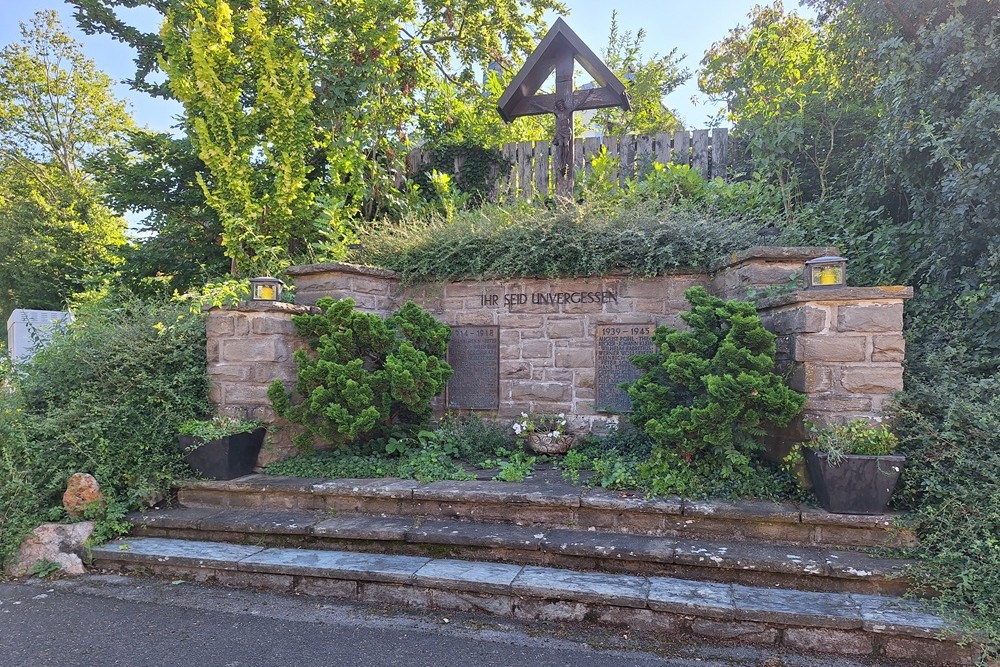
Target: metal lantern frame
point(827, 272)
point(265, 288)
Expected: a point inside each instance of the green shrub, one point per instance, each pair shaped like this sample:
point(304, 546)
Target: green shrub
point(105, 398)
point(858, 436)
point(365, 378)
point(707, 393)
point(474, 440)
point(948, 424)
point(644, 238)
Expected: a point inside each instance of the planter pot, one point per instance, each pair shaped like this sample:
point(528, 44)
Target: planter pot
point(857, 485)
point(225, 458)
point(546, 444)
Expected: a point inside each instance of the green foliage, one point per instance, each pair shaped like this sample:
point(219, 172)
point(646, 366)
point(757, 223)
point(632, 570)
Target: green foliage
point(56, 110)
point(365, 377)
point(474, 440)
point(256, 154)
point(515, 466)
point(706, 394)
point(857, 436)
point(106, 398)
point(648, 81)
point(43, 569)
point(642, 238)
point(948, 425)
point(216, 428)
point(156, 175)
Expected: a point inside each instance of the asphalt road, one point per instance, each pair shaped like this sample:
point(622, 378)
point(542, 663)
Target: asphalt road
point(105, 620)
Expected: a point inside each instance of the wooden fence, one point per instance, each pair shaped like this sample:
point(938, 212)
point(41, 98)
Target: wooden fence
point(531, 171)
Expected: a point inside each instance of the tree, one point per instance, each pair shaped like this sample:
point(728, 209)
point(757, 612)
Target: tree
point(782, 89)
point(256, 149)
point(370, 64)
point(648, 82)
point(56, 111)
point(179, 243)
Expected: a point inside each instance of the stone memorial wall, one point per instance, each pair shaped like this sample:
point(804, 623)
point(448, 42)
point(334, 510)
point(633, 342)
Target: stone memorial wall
point(563, 345)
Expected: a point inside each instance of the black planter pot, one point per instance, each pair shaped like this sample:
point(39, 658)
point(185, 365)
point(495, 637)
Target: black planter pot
point(225, 458)
point(857, 485)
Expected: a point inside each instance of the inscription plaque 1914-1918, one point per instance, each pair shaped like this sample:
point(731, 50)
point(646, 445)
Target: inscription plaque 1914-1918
point(616, 345)
point(474, 354)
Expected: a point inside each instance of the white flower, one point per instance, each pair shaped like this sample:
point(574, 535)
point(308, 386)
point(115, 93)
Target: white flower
point(524, 414)
point(517, 428)
point(562, 415)
point(554, 434)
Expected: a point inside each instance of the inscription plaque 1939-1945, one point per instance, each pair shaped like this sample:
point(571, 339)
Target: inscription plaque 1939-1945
point(474, 354)
point(616, 345)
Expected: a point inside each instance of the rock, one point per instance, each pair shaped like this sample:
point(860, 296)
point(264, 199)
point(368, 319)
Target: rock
point(57, 542)
point(82, 490)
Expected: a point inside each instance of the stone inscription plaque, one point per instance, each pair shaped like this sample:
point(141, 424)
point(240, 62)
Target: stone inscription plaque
point(616, 344)
point(474, 354)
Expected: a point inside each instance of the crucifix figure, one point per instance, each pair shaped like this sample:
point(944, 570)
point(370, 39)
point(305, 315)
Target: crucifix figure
point(560, 50)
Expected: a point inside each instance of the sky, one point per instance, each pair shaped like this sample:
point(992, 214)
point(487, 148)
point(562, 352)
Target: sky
point(691, 27)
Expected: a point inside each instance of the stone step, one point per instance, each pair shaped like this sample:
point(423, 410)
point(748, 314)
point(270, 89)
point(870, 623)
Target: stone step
point(730, 561)
point(841, 623)
point(553, 504)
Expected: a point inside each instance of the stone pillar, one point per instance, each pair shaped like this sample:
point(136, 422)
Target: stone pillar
point(373, 290)
point(753, 272)
point(250, 346)
point(841, 347)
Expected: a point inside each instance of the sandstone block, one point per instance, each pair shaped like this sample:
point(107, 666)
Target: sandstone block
point(372, 285)
point(535, 349)
point(817, 347)
point(229, 372)
point(845, 404)
point(541, 391)
point(888, 347)
point(755, 633)
point(272, 323)
point(82, 491)
point(516, 370)
point(842, 642)
point(799, 319)
point(872, 379)
point(249, 349)
point(929, 650)
point(647, 289)
point(575, 358)
point(811, 378)
point(219, 323)
point(564, 328)
point(870, 317)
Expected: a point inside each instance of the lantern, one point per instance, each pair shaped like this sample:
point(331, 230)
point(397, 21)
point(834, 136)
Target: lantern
point(826, 272)
point(265, 289)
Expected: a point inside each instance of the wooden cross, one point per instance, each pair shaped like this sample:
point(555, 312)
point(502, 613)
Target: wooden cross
point(560, 50)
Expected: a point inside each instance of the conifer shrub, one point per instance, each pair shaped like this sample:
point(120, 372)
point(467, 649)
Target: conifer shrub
point(705, 397)
point(364, 378)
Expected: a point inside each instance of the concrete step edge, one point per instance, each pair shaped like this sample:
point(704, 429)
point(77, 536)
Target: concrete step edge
point(735, 555)
point(886, 625)
point(602, 509)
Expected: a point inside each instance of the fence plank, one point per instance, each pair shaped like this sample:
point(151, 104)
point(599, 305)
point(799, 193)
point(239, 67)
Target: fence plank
point(626, 153)
point(611, 144)
point(591, 147)
point(530, 174)
point(662, 148)
point(643, 155)
point(525, 185)
point(508, 182)
point(542, 161)
point(681, 151)
point(720, 152)
point(699, 152)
